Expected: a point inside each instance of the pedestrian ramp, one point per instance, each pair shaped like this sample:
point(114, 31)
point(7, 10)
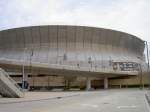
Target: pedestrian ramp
point(8, 87)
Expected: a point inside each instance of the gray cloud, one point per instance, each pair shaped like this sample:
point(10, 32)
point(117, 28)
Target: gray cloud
point(130, 16)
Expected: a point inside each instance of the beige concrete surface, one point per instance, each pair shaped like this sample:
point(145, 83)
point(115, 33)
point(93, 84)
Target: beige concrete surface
point(116, 100)
point(35, 96)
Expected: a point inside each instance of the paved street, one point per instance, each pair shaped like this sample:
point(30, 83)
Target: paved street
point(124, 100)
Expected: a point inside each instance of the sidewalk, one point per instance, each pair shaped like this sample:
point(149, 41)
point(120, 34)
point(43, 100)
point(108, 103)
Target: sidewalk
point(36, 96)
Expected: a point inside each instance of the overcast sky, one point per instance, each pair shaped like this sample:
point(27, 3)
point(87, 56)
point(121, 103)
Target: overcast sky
point(131, 16)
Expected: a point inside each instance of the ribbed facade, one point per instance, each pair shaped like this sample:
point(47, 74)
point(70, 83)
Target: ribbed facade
point(74, 47)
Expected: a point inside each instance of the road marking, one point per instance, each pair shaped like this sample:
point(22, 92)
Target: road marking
point(132, 106)
point(90, 105)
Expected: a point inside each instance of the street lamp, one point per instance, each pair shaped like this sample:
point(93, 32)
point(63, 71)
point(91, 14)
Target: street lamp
point(147, 52)
point(23, 67)
point(23, 71)
point(141, 77)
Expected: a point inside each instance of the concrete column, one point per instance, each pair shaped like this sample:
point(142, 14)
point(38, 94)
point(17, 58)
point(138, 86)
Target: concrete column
point(105, 83)
point(88, 84)
point(120, 86)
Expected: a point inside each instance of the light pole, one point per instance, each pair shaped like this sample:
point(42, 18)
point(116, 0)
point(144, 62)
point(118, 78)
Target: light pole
point(141, 77)
point(31, 64)
point(23, 70)
point(147, 50)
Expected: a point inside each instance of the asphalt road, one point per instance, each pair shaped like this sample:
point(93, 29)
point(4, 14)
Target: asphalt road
point(127, 100)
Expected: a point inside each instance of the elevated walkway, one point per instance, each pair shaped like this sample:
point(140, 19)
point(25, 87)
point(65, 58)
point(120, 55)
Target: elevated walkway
point(8, 87)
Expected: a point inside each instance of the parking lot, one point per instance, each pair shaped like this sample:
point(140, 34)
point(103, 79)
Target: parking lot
point(113, 100)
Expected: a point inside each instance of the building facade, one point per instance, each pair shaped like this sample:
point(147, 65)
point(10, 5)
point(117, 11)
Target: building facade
point(61, 56)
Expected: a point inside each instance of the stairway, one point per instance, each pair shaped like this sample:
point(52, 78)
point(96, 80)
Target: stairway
point(8, 87)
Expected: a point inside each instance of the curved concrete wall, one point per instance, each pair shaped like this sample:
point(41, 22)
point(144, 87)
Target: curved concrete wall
point(78, 47)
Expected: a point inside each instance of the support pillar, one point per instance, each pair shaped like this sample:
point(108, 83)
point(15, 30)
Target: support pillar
point(105, 83)
point(88, 84)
